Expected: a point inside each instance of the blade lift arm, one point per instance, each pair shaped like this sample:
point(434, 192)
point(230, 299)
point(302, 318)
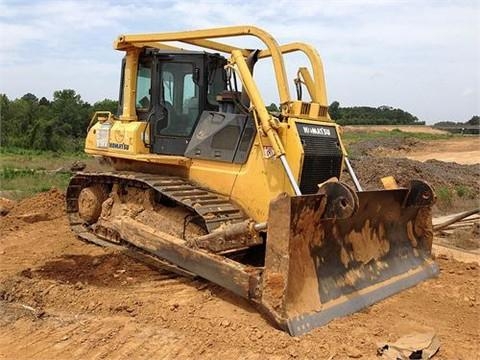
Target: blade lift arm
point(269, 124)
point(352, 174)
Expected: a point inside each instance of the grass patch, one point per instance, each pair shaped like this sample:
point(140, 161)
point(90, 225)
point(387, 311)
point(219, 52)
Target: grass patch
point(17, 158)
point(21, 183)
point(351, 137)
point(40, 153)
point(25, 172)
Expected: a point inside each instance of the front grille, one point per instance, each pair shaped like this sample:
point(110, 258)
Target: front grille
point(322, 156)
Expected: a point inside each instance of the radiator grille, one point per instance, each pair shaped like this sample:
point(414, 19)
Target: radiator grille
point(322, 159)
point(322, 111)
point(305, 110)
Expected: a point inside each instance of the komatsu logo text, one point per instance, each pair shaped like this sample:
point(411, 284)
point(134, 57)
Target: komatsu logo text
point(118, 146)
point(310, 130)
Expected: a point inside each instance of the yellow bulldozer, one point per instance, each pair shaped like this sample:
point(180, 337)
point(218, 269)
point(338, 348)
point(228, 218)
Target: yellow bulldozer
point(205, 181)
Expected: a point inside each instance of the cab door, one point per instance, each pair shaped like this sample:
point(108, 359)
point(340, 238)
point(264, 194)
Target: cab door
point(178, 105)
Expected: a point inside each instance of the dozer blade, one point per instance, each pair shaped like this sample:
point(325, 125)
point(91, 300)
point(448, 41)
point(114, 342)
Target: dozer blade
point(322, 262)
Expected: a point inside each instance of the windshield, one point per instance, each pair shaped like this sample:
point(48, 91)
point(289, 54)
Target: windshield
point(179, 97)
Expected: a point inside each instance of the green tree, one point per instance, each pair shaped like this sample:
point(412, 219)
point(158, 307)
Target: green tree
point(44, 101)
point(60, 124)
point(5, 120)
point(106, 105)
point(445, 124)
point(334, 111)
point(23, 113)
point(475, 120)
point(30, 97)
point(273, 108)
point(70, 113)
point(366, 115)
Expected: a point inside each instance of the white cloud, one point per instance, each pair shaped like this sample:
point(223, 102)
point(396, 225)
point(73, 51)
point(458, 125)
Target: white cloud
point(418, 55)
point(468, 91)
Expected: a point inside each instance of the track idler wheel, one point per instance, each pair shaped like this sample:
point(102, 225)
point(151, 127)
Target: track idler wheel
point(90, 203)
point(342, 201)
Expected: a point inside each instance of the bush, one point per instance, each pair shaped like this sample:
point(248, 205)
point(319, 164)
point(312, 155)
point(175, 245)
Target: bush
point(464, 192)
point(444, 196)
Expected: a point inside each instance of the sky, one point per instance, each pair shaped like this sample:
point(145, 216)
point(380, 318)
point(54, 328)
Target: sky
point(420, 56)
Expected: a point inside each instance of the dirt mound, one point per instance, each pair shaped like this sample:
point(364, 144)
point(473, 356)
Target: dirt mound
point(384, 146)
point(51, 203)
point(44, 206)
point(439, 174)
point(457, 186)
point(5, 206)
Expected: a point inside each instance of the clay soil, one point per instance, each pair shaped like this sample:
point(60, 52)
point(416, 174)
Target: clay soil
point(461, 150)
point(448, 165)
point(61, 298)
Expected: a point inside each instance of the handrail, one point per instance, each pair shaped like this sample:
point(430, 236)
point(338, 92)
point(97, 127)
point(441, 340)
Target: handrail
point(99, 116)
point(320, 94)
point(123, 42)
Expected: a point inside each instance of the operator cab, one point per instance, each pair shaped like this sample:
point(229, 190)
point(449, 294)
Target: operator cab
point(173, 89)
point(185, 98)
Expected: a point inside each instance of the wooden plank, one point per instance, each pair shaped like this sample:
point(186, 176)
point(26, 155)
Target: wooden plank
point(443, 219)
point(239, 278)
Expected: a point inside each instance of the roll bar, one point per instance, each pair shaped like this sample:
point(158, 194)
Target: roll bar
point(199, 37)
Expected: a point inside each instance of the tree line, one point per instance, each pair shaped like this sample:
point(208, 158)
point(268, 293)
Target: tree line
point(366, 115)
point(474, 121)
point(60, 124)
point(41, 124)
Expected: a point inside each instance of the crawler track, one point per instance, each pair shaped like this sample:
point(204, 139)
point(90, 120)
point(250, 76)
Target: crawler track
point(209, 209)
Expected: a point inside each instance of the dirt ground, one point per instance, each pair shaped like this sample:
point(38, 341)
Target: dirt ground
point(462, 150)
point(61, 298)
point(457, 183)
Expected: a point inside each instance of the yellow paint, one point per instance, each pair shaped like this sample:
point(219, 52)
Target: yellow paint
point(122, 134)
point(130, 85)
point(252, 185)
point(219, 176)
point(389, 183)
point(124, 42)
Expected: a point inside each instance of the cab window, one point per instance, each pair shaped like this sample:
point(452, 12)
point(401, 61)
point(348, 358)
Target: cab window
point(216, 84)
point(180, 97)
point(167, 82)
point(144, 83)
